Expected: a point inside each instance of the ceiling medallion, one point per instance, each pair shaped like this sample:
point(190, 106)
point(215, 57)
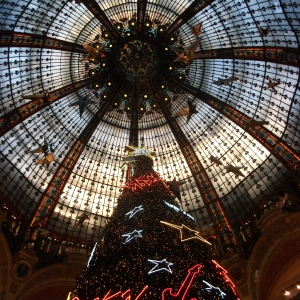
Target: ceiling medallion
point(137, 61)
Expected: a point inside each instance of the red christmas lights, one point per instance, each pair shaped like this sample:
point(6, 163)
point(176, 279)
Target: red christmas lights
point(120, 296)
point(184, 288)
point(224, 274)
point(143, 181)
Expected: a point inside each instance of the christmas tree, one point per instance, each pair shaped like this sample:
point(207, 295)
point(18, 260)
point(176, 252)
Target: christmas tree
point(149, 249)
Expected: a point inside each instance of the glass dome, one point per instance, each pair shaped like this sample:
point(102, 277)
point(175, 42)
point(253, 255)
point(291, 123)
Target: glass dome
point(135, 91)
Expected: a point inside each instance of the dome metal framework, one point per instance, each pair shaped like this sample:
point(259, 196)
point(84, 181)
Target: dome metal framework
point(41, 53)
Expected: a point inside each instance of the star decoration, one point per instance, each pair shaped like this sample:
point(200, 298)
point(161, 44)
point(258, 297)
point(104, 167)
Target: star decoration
point(215, 160)
point(263, 32)
point(134, 211)
point(174, 187)
point(190, 51)
point(234, 169)
point(187, 233)
point(131, 235)
point(225, 81)
point(196, 29)
point(47, 148)
point(212, 288)
point(137, 151)
point(160, 265)
point(182, 57)
point(271, 85)
point(253, 124)
point(84, 216)
point(188, 111)
point(46, 160)
point(94, 54)
point(82, 103)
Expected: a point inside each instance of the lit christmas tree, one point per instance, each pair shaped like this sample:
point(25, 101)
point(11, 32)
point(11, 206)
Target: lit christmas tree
point(149, 249)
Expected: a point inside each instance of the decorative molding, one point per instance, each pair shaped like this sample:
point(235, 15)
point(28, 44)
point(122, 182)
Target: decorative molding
point(283, 256)
point(274, 228)
point(5, 265)
point(54, 274)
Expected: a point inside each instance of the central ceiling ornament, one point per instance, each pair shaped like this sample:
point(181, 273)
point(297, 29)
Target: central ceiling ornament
point(137, 61)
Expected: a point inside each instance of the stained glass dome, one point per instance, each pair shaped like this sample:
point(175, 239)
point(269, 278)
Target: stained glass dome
point(135, 90)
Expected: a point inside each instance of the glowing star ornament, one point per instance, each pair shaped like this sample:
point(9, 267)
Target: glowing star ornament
point(187, 233)
point(184, 288)
point(131, 235)
point(214, 289)
point(134, 211)
point(160, 265)
point(133, 152)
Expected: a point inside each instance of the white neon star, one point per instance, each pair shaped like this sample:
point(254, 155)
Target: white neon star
point(211, 287)
point(131, 235)
point(134, 211)
point(160, 265)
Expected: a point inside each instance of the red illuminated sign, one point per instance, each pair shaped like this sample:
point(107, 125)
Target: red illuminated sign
point(143, 181)
point(185, 286)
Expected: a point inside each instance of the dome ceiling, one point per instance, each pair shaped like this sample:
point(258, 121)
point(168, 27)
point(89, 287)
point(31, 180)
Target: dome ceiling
point(129, 104)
